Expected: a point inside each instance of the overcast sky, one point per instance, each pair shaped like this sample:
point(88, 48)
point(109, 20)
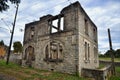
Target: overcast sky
point(104, 13)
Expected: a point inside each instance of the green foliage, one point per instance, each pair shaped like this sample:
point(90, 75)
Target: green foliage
point(4, 4)
point(109, 52)
point(116, 53)
point(117, 76)
point(2, 43)
point(17, 47)
point(101, 55)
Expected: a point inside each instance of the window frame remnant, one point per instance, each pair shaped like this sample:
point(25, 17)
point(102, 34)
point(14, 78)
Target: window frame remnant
point(59, 27)
point(87, 51)
point(54, 52)
point(95, 54)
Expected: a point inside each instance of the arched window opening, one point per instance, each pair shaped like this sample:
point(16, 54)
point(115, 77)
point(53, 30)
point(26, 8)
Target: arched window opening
point(53, 52)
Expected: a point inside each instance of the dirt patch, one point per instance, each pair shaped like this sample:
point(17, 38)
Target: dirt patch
point(39, 79)
point(32, 72)
point(20, 73)
point(45, 73)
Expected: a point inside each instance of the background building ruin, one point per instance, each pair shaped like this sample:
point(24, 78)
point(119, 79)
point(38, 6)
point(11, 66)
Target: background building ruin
point(66, 42)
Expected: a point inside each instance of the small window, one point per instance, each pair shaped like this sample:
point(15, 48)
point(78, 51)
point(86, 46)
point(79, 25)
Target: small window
point(94, 34)
point(95, 54)
point(87, 51)
point(32, 32)
point(86, 26)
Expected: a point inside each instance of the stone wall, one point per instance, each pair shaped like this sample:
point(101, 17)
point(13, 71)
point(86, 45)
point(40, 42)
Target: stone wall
point(89, 37)
point(63, 50)
point(68, 60)
point(101, 74)
point(109, 62)
point(15, 58)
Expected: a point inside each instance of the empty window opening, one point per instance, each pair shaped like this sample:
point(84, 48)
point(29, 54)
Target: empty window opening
point(56, 24)
point(95, 53)
point(94, 34)
point(62, 23)
point(54, 30)
point(94, 31)
point(87, 51)
point(86, 26)
point(53, 52)
point(32, 32)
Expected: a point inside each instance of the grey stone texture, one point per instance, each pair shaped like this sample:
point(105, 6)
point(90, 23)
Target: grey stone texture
point(98, 74)
point(64, 50)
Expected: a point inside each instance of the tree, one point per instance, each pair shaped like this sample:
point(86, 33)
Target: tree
point(17, 47)
point(2, 51)
point(4, 4)
point(2, 43)
point(108, 53)
point(117, 53)
point(3, 48)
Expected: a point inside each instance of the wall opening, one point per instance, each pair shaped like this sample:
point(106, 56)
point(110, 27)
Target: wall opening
point(95, 54)
point(86, 26)
point(87, 51)
point(54, 52)
point(56, 24)
point(29, 55)
point(95, 34)
point(32, 32)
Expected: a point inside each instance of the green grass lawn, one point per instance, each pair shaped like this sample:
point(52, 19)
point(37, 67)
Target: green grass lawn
point(109, 59)
point(24, 73)
point(117, 76)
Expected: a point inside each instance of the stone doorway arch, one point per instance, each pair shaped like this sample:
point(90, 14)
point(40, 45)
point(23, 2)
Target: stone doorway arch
point(29, 55)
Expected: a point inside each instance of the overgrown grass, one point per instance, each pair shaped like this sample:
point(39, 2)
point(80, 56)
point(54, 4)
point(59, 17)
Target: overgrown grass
point(24, 73)
point(117, 76)
point(101, 66)
point(109, 59)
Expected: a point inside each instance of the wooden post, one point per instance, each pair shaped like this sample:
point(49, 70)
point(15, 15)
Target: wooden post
point(50, 25)
point(9, 50)
point(59, 21)
point(111, 52)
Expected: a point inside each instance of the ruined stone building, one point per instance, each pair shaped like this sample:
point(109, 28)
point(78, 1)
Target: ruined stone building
point(66, 42)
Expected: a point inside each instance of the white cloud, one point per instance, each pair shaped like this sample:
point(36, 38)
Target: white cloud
point(38, 6)
point(106, 15)
point(3, 35)
point(57, 9)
